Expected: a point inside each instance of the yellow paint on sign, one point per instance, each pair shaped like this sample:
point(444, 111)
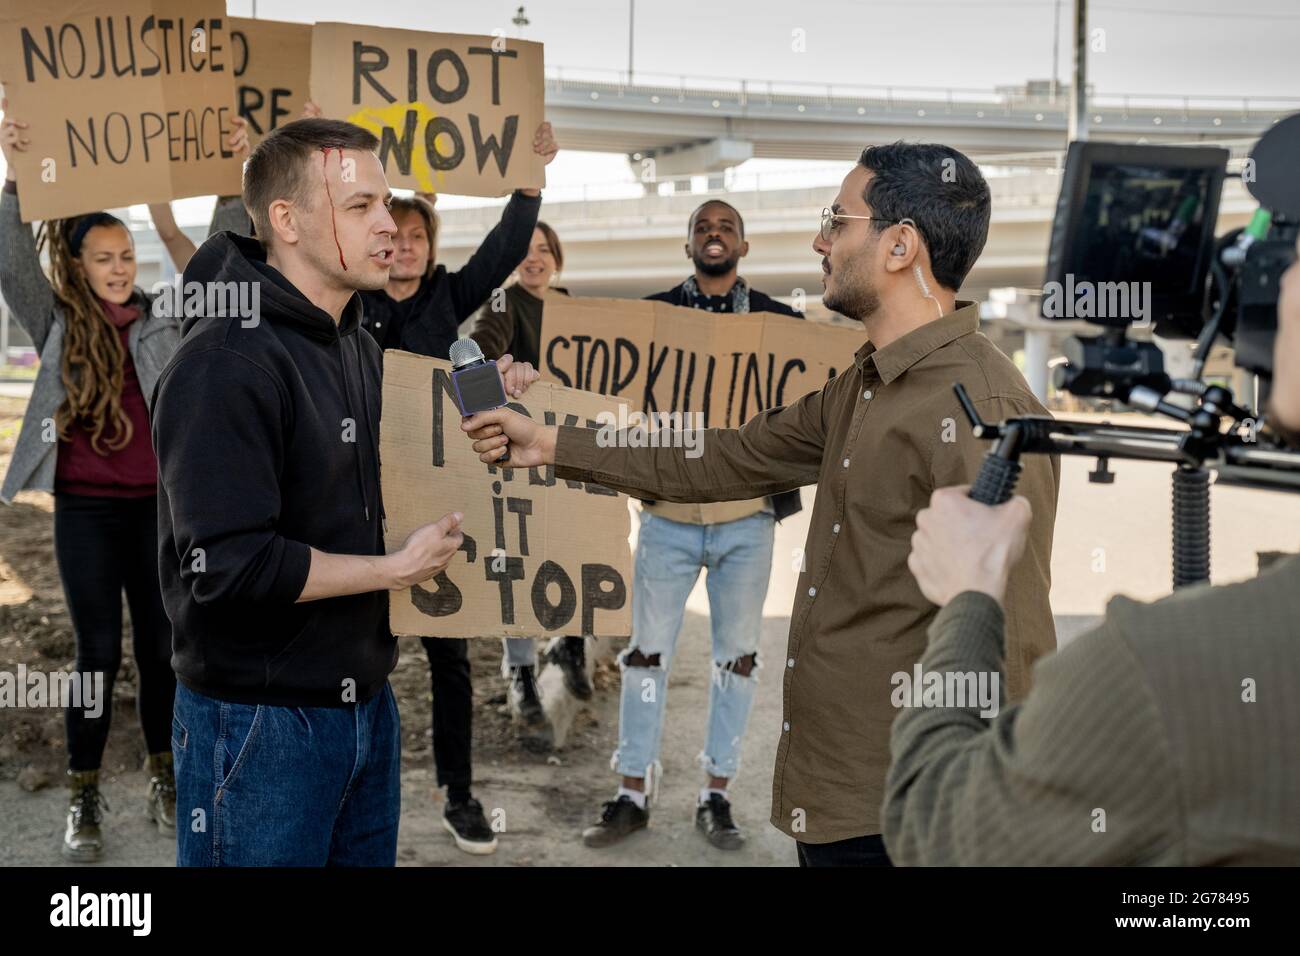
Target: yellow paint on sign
point(393, 116)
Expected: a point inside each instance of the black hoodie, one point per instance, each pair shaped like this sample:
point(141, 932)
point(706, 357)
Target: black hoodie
point(267, 443)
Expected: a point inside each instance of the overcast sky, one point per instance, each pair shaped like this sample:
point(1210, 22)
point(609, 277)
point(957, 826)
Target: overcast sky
point(1231, 47)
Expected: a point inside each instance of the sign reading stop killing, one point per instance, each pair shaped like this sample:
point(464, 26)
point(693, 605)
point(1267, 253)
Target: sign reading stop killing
point(128, 101)
point(453, 113)
point(541, 556)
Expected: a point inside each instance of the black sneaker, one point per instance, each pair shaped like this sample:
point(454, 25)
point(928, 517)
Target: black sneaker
point(570, 654)
point(526, 706)
point(467, 825)
point(618, 819)
point(713, 819)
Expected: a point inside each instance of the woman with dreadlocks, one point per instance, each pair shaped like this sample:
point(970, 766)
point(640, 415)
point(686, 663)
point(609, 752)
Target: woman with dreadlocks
point(86, 438)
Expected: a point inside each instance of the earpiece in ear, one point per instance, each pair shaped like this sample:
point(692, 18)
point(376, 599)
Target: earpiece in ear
point(925, 289)
point(899, 249)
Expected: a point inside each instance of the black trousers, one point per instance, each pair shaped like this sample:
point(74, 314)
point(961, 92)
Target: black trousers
point(453, 709)
point(856, 851)
point(105, 546)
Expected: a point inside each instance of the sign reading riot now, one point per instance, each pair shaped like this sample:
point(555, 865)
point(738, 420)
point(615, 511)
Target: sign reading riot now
point(666, 358)
point(541, 556)
point(453, 113)
point(127, 102)
point(272, 64)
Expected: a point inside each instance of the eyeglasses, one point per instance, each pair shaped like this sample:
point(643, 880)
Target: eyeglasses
point(829, 220)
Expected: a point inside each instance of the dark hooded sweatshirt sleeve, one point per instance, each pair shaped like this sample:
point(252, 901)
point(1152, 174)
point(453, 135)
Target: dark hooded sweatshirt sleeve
point(493, 261)
point(224, 518)
point(432, 325)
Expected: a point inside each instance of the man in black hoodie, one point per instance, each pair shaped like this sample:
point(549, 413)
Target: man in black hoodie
point(271, 550)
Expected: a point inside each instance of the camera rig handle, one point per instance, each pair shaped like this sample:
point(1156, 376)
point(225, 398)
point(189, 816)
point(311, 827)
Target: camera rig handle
point(997, 477)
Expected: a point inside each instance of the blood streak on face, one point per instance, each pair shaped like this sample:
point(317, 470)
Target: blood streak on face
point(325, 155)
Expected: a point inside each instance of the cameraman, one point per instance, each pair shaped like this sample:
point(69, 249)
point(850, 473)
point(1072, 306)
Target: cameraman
point(1167, 735)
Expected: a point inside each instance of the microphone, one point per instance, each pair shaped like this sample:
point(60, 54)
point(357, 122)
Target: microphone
point(475, 381)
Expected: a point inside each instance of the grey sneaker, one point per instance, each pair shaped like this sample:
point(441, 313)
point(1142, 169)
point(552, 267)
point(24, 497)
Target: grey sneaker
point(618, 819)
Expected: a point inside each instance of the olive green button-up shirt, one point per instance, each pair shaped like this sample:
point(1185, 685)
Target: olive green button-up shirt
point(876, 440)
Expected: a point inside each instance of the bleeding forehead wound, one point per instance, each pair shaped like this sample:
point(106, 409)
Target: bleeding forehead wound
point(324, 163)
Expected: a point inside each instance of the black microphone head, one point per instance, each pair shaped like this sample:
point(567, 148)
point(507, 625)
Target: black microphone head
point(1276, 183)
point(465, 352)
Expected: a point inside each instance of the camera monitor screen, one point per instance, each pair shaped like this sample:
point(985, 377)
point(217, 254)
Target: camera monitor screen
point(1133, 235)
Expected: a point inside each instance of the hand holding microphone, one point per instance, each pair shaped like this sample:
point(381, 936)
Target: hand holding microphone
point(481, 386)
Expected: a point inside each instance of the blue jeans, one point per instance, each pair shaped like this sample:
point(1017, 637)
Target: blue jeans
point(669, 557)
point(258, 785)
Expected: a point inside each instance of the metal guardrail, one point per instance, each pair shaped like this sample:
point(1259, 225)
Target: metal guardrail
point(1016, 181)
point(741, 93)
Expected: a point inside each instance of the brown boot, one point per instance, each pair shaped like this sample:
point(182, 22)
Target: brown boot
point(162, 792)
point(82, 839)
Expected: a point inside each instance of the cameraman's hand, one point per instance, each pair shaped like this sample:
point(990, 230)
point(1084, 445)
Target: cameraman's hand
point(962, 545)
point(530, 445)
point(516, 375)
point(426, 552)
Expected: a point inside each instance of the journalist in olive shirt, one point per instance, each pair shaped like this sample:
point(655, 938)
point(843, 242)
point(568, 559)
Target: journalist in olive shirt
point(876, 440)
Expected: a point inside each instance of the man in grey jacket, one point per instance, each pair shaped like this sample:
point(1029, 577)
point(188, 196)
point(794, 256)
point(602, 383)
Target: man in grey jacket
point(1164, 736)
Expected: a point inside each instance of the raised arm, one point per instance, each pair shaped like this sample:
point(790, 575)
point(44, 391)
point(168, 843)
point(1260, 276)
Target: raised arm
point(22, 280)
point(179, 246)
point(506, 245)
point(496, 257)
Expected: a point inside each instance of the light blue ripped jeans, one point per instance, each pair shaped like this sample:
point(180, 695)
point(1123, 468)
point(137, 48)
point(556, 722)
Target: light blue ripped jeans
point(669, 557)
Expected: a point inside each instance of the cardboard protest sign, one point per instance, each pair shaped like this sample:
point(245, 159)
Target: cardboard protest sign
point(541, 556)
point(272, 64)
point(665, 358)
point(453, 113)
point(128, 101)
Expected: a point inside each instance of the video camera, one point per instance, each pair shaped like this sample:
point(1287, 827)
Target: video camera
point(1133, 245)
